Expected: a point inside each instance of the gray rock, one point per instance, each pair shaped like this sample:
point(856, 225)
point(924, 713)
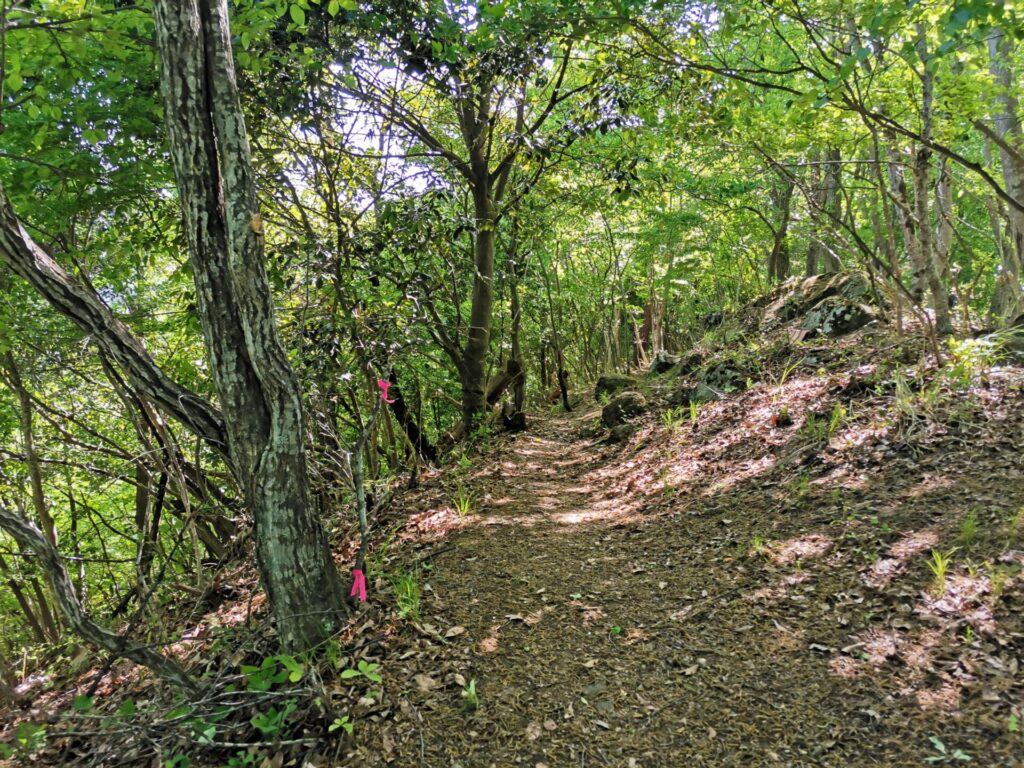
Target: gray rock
point(700, 394)
point(611, 383)
point(836, 316)
point(664, 362)
point(723, 377)
point(621, 433)
point(623, 407)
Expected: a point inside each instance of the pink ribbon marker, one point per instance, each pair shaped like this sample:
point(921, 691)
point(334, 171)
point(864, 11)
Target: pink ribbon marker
point(358, 585)
point(384, 387)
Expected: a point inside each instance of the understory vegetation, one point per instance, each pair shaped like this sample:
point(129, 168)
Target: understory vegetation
point(533, 382)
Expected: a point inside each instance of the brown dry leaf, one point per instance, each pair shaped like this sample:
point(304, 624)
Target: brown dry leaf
point(634, 636)
point(454, 632)
point(535, 617)
point(424, 683)
point(592, 614)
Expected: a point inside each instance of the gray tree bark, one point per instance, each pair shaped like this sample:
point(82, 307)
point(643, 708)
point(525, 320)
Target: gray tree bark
point(1008, 132)
point(258, 391)
point(78, 302)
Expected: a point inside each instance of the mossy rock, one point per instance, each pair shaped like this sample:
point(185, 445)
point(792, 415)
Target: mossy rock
point(797, 298)
point(611, 383)
point(623, 407)
point(663, 363)
point(699, 395)
point(621, 433)
point(724, 376)
point(837, 316)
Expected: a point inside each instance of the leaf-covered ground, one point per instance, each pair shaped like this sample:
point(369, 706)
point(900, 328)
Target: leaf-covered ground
point(729, 593)
point(747, 583)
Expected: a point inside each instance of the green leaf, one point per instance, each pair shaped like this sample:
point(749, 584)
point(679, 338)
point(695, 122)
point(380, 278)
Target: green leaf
point(298, 15)
point(82, 703)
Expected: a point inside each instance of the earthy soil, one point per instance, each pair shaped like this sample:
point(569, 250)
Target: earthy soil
point(750, 583)
point(729, 594)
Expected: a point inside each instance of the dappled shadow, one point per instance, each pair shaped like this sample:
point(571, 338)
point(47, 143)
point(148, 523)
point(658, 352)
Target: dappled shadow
point(737, 592)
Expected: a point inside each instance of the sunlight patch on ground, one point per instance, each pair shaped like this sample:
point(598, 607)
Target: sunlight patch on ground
point(883, 571)
point(800, 548)
point(962, 600)
point(744, 471)
point(434, 524)
point(930, 484)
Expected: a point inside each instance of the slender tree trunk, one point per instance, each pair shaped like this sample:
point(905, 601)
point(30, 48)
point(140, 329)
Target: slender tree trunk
point(833, 206)
point(27, 609)
point(778, 258)
point(417, 437)
point(1008, 129)
point(35, 473)
point(474, 355)
point(257, 388)
point(518, 270)
point(560, 373)
point(817, 204)
point(944, 226)
point(922, 174)
point(911, 243)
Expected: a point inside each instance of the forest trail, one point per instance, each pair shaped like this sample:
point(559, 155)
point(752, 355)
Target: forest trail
point(606, 621)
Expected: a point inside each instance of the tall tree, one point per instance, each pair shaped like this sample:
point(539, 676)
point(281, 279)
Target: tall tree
point(260, 431)
point(257, 388)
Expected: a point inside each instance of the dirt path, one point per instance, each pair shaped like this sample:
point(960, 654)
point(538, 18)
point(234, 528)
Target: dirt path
point(604, 626)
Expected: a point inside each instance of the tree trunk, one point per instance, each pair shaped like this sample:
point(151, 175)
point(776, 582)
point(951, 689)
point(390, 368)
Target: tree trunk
point(908, 228)
point(474, 354)
point(833, 206)
point(30, 537)
point(410, 426)
point(816, 204)
point(922, 173)
point(78, 302)
point(778, 258)
point(257, 388)
point(1008, 130)
point(944, 226)
point(38, 632)
point(518, 270)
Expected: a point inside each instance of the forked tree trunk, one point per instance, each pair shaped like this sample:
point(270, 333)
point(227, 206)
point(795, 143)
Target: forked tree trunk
point(257, 388)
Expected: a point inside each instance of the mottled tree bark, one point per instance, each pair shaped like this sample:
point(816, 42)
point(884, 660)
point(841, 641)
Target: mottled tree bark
point(78, 302)
point(833, 206)
point(474, 354)
point(257, 387)
point(778, 258)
